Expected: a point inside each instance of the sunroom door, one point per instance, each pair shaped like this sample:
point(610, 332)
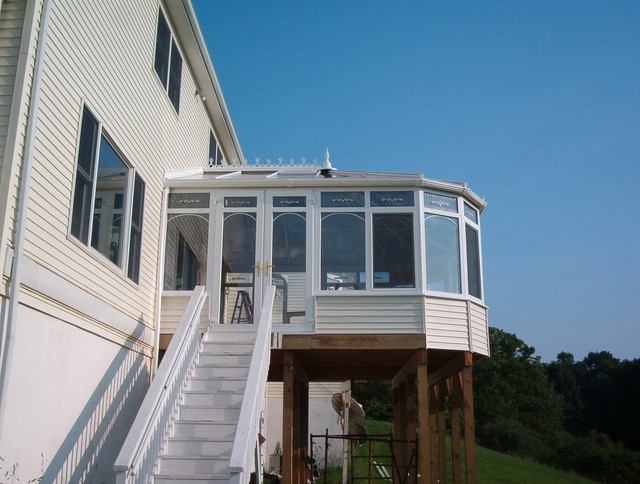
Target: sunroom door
point(241, 260)
point(264, 241)
point(287, 253)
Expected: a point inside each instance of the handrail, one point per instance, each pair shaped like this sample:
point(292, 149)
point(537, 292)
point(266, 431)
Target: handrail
point(241, 462)
point(142, 445)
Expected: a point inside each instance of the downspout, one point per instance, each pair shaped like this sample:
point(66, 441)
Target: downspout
point(160, 279)
point(21, 215)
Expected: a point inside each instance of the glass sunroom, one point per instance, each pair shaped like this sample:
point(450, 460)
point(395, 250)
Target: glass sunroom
point(348, 252)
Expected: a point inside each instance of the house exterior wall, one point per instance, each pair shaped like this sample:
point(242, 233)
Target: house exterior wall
point(83, 340)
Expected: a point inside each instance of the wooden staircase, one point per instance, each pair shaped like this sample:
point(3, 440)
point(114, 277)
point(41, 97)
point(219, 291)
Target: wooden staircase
point(201, 439)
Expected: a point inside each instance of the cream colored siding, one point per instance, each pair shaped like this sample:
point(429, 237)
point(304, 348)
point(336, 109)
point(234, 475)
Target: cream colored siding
point(447, 324)
point(368, 315)
point(479, 329)
point(173, 306)
point(11, 22)
point(101, 54)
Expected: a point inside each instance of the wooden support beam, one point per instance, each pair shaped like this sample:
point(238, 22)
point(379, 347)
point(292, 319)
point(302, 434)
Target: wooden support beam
point(452, 367)
point(433, 430)
point(424, 469)
point(442, 432)
point(455, 400)
point(288, 422)
point(469, 424)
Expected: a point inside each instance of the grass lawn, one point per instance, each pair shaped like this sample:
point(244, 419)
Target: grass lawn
point(492, 467)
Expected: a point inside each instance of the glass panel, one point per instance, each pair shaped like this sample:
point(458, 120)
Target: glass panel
point(188, 200)
point(471, 213)
point(235, 202)
point(238, 257)
point(441, 202)
point(163, 42)
point(84, 177)
point(342, 199)
point(392, 199)
point(443, 254)
point(393, 251)
point(289, 201)
point(135, 238)
point(175, 76)
point(185, 260)
point(473, 263)
point(343, 251)
point(289, 267)
point(110, 190)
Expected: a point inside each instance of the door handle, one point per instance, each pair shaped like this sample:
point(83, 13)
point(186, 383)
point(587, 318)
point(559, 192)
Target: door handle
point(269, 267)
point(257, 267)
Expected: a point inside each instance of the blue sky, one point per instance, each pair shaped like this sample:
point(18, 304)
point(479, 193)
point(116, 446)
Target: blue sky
point(535, 104)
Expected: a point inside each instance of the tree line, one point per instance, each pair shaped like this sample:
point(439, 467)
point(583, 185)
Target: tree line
point(579, 416)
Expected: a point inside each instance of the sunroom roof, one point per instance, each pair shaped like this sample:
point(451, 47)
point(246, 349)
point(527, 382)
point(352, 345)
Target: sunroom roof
point(310, 176)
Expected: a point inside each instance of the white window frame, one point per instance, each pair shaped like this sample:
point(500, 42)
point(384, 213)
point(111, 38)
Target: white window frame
point(463, 221)
point(173, 44)
point(368, 211)
point(123, 265)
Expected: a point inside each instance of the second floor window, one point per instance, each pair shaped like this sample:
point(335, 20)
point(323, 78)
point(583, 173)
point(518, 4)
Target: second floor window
point(215, 154)
point(168, 62)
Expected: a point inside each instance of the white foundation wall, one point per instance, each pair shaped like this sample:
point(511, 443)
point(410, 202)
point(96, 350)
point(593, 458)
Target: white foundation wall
point(71, 398)
point(321, 417)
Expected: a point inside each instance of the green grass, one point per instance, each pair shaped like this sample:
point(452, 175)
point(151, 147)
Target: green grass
point(492, 467)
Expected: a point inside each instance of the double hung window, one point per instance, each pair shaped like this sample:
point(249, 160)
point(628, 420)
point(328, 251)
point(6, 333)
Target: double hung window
point(168, 61)
point(108, 200)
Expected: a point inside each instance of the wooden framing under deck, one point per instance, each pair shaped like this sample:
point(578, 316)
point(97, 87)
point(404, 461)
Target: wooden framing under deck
point(427, 384)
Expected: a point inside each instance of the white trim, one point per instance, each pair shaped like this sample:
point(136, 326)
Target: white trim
point(52, 285)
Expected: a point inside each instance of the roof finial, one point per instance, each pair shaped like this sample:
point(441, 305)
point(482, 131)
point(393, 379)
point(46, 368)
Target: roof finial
point(326, 168)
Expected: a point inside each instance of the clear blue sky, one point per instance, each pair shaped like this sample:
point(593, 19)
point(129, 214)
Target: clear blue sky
point(535, 104)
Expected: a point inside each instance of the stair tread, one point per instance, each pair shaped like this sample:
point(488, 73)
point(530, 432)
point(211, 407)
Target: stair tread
point(195, 456)
point(199, 439)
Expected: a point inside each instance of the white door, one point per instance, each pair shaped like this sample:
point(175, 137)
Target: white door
point(265, 240)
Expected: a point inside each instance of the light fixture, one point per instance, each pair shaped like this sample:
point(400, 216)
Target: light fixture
point(200, 93)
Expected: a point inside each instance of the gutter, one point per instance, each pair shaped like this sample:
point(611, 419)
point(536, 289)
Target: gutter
point(21, 216)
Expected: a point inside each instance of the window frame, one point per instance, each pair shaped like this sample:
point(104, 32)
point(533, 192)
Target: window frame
point(82, 234)
point(368, 210)
point(171, 62)
point(463, 222)
point(216, 150)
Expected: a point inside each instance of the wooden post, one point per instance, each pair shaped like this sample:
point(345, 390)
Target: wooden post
point(288, 423)
point(424, 468)
point(412, 424)
point(442, 432)
point(433, 433)
point(469, 425)
point(454, 392)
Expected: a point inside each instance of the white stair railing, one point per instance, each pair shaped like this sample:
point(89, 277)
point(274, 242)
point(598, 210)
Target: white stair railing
point(140, 450)
point(245, 455)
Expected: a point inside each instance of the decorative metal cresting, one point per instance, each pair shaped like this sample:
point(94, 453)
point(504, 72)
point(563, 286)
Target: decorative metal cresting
point(272, 163)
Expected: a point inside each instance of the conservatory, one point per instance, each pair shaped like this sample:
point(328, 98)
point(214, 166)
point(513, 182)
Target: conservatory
point(359, 275)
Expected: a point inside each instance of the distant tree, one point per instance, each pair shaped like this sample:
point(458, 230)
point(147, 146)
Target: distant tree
point(564, 376)
point(376, 398)
point(515, 404)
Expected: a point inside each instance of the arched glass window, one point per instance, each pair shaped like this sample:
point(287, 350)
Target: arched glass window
point(343, 265)
point(443, 253)
point(185, 261)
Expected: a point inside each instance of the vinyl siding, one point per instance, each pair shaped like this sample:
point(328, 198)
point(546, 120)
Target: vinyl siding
point(101, 54)
point(369, 315)
point(173, 306)
point(479, 328)
point(11, 22)
point(447, 324)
